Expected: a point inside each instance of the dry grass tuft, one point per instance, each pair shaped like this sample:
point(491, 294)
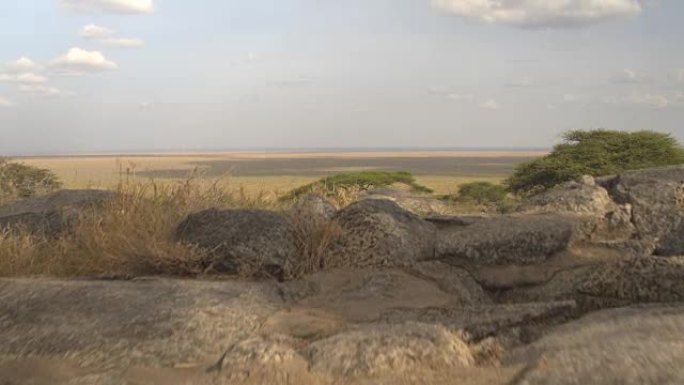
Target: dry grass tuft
point(131, 235)
point(313, 234)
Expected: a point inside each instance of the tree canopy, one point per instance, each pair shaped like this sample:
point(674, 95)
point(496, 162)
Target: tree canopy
point(595, 152)
point(363, 180)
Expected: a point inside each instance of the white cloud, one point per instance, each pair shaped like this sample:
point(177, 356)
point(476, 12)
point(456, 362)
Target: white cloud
point(23, 64)
point(92, 31)
point(5, 103)
point(124, 42)
point(628, 76)
point(490, 104)
point(41, 90)
point(114, 6)
point(542, 13)
point(460, 97)
point(78, 60)
point(25, 78)
point(648, 100)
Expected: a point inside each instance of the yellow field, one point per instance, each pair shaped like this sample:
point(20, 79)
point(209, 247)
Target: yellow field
point(274, 173)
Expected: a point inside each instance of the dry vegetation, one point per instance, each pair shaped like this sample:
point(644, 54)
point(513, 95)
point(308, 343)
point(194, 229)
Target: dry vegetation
point(133, 235)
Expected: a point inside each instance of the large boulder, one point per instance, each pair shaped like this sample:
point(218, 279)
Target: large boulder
point(520, 239)
point(314, 205)
point(378, 232)
point(609, 282)
point(53, 213)
point(656, 197)
point(385, 348)
point(606, 220)
point(417, 204)
point(238, 238)
point(582, 197)
point(633, 280)
point(629, 346)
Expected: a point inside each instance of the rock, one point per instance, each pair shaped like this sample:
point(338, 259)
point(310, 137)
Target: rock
point(577, 198)
point(314, 204)
point(525, 239)
point(453, 281)
point(633, 280)
point(379, 233)
point(359, 295)
point(109, 325)
point(475, 323)
point(236, 237)
point(273, 359)
point(657, 200)
point(630, 346)
point(303, 323)
point(378, 349)
point(53, 213)
point(420, 205)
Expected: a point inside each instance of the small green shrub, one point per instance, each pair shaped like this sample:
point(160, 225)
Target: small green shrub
point(21, 181)
point(362, 180)
point(596, 153)
point(482, 193)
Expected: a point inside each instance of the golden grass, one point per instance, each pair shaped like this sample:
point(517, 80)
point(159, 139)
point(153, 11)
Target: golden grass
point(106, 171)
point(131, 235)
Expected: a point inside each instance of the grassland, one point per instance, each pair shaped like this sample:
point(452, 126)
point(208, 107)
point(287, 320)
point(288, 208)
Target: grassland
point(277, 172)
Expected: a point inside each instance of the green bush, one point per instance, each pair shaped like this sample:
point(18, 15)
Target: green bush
point(362, 180)
point(21, 181)
point(596, 153)
point(482, 193)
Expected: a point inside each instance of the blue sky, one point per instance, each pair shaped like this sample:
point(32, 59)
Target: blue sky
point(145, 75)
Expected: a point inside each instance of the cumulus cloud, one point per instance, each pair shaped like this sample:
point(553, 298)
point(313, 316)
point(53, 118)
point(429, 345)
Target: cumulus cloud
point(542, 13)
point(78, 60)
point(648, 100)
point(113, 6)
point(92, 31)
point(490, 104)
point(41, 90)
point(5, 103)
point(628, 76)
point(124, 42)
point(106, 36)
point(460, 97)
point(25, 78)
point(23, 64)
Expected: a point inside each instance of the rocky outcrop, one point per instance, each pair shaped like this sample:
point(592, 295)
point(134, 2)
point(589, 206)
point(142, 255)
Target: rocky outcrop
point(53, 213)
point(581, 197)
point(630, 346)
point(379, 233)
point(507, 239)
point(417, 204)
point(314, 205)
point(656, 197)
point(241, 237)
point(383, 348)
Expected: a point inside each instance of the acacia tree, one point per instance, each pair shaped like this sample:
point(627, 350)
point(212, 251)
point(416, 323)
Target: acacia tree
point(596, 153)
point(21, 181)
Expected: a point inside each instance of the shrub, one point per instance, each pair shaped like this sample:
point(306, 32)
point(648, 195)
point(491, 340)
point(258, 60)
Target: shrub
point(21, 181)
point(596, 153)
point(483, 193)
point(362, 180)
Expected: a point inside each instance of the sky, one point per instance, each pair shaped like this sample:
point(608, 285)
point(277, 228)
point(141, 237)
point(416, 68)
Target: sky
point(87, 76)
